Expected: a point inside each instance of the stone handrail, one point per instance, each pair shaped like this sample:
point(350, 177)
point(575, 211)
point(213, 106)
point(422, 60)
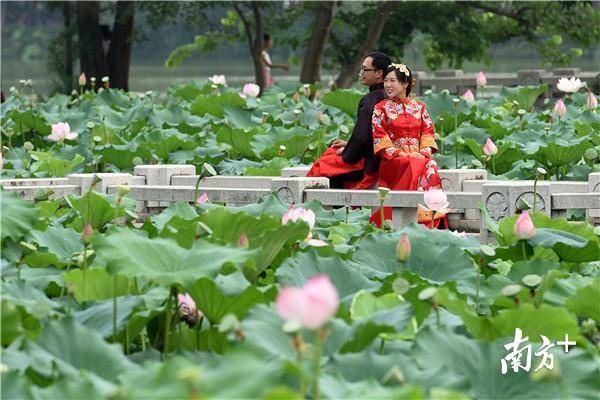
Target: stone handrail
point(157, 186)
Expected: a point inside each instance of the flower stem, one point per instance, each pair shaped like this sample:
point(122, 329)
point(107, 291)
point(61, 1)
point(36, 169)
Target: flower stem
point(198, 329)
point(478, 268)
point(524, 250)
point(318, 350)
point(167, 325)
point(535, 194)
point(114, 319)
point(381, 214)
point(493, 165)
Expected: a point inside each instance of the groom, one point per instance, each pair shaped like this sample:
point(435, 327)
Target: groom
point(352, 164)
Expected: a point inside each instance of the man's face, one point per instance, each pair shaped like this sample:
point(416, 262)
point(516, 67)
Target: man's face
point(368, 75)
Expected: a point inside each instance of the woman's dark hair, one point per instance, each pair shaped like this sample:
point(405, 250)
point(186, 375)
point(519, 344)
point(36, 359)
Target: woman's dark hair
point(266, 37)
point(380, 60)
point(401, 76)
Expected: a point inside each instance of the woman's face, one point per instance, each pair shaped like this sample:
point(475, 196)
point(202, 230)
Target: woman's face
point(393, 87)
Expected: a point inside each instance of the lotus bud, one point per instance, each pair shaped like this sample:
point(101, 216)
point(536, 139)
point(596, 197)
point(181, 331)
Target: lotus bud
point(480, 79)
point(435, 199)
point(490, 148)
point(560, 108)
point(203, 198)
point(251, 89)
point(243, 240)
point(306, 89)
point(524, 228)
point(87, 233)
point(82, 80)
point(468, 96)
point(28, 146)
point(93, 82)
point(296, 96)
point(137, 161)
point(265, 115)
point(123, 190)
point(106, 82)
point(403, 248)
point(592, 102)
point(282, 150)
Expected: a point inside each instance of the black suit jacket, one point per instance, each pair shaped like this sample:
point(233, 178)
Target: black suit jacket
point(360, 144)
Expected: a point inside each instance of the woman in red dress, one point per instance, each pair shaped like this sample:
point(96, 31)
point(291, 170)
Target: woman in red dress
point(404, 139)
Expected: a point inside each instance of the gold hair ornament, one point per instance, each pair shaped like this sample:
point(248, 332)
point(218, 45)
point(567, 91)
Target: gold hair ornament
point(402, 68)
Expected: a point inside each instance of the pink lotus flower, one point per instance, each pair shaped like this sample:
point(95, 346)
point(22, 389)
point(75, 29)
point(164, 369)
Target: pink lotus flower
point(468, 96)
point(435, 200)
point(480, 79)
point(524, 228)
point(203, 198)
point(490, 148)
point(569, 85)
point(560, 108)
point(592, 102)
point(187, 309)
point(1, 162)
point(310, 306)
point(61, 131)
point(251, 89)
point(317, 243)
point(82, 80)
point(403, 248)
point(295, 214)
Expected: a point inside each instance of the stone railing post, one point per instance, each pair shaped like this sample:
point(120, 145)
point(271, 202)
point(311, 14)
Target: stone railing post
point(85, 181)
point(291, 190)
point(161, 175)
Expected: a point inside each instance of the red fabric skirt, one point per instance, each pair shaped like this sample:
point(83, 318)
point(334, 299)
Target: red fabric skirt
point(409, 173)
point(331, 164)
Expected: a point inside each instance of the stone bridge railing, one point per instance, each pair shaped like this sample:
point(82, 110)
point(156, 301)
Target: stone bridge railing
point(157, 186)
point(457, 82)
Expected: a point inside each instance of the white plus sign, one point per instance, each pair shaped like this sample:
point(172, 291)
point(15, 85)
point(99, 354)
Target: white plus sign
point(566, 343)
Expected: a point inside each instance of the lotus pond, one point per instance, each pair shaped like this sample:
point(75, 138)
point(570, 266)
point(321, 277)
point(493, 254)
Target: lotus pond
point(197, 301)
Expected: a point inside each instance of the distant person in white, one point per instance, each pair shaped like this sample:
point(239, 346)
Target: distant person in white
point(266, 60)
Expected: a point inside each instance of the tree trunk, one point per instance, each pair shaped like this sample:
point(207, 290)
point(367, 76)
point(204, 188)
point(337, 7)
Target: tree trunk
point(313, 58)
point(68, 56)
point(350, 70)
point(119, 52)
point(91, 54)
point(254, 40)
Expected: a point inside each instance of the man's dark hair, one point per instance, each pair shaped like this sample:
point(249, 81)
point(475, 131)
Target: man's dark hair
point(380, 60)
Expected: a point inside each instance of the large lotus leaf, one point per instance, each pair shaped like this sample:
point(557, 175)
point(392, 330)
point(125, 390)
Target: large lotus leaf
point(239, 118)
point(492, 126)
point(475, 366)
point(560, 154)
point(566, 245)
point(345, 100)
point(271, 167)
point(117, 120)
point(441, 105)
point(373, 316)
point(235, 167)
point(29, 121)
point(75, 388)
point(72, 348)
point(59, 241)
point(214, 105)
point(586, 301)
point(15, 386)
point(95, 284)
point(333, 387)
point(503, 161)
point(295, 140)
point(18, 216)
point(546, 320)
point(161, 380)
point(33, 300)
point(11, 322)
point(296, 270)
point(182, 210)
point(191, 90)
point(94, 208)
point(162, 260)
point(165, 141)
point(50, 165)
point(181, 230)
point(265, 232)
point(238, 139)
point(174, 116)
point(98, 316)
point(524, 95)
point(121, 156)
point(215, 304)
point(113, 98)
